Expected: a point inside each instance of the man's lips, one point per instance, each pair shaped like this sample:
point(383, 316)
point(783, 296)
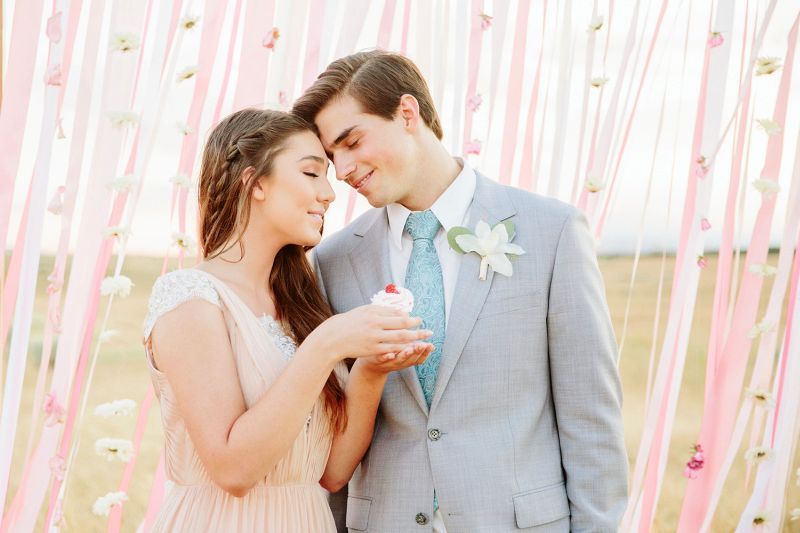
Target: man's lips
point(358, 184)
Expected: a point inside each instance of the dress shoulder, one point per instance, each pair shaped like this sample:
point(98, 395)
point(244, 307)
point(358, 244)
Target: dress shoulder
point(174, 288)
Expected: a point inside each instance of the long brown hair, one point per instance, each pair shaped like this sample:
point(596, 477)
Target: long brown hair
point(253, 138)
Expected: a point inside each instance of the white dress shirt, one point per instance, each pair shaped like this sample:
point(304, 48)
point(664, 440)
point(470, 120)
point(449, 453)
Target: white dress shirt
point(451, 209)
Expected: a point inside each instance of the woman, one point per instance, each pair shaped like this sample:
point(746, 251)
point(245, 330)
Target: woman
point(246, 359)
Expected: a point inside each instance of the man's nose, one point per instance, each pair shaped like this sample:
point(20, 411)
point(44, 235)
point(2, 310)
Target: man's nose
point(345, 166)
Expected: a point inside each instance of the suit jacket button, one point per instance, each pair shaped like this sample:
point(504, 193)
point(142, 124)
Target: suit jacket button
point(421, 519)
point(434, 434)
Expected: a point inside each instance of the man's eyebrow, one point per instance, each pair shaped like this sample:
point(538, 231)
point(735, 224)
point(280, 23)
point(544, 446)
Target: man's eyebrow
point(342, 136)
point(314, 158)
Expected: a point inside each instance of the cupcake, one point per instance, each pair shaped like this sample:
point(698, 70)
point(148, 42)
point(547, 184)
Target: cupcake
point(394, 296)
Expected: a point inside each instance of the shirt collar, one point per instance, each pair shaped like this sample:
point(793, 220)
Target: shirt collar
point(450, 208)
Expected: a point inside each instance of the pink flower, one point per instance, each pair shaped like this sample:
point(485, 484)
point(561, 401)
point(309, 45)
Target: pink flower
point(271, 39)
point(55, 284)
point(55, 319)
point(702, 167)
point(53, 76)
point(58, 467)
point(57, 201)
point(53, 410)
point(486, 21)
point(53, 30)
point(705, 225)
point(715, 39)
point(58, 514)
point(472, 147)
point(701, 261)
point(474, 102)
point(695, 463)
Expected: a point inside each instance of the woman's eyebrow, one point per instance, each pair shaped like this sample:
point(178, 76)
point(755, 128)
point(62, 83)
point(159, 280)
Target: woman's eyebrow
point(314, 158)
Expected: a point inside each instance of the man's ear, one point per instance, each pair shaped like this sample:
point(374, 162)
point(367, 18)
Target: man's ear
point(408, 112)
point(259, 192)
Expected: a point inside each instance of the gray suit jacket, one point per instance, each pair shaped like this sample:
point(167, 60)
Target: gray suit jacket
point(524, 430)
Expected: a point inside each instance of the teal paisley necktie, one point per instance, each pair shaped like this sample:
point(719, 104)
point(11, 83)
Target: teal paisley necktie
point(424, 280)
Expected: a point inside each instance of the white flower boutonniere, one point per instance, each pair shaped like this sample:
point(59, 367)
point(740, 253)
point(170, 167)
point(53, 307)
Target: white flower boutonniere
point(492, 244)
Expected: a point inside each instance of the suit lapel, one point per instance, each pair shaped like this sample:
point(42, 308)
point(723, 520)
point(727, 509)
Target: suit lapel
point(490, 203)
point(372, 277)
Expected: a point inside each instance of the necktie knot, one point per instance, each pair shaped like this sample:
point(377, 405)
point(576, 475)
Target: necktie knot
point(422, 225)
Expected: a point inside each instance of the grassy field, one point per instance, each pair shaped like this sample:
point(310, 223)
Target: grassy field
point(121, 373)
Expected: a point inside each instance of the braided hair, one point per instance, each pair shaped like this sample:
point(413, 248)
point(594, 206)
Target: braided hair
point(253, 138)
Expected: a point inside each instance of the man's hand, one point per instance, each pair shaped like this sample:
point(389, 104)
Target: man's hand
point(381, 365)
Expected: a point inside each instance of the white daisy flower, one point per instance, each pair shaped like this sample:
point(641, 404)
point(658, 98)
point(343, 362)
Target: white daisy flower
point(598, 82)
point(116, 286)
point(102, 506)
point(181, 180)
point(761, 518)
point(766, 187)
point(762, 269)
point(769, 126)
point(794, 514)
point(184, 128)
point(123, 119)
point(122, 407)
point(758, 454)
point(767, 65)
point(107, 335)
point(114, 449)
point(182, 240)
point(594, 183)
point(762, 398)
point(121, 183)
point(760, 328)
point(186, 73)
point(125, 42)
point(189, 21)
point(118, 232)
point(596, 24)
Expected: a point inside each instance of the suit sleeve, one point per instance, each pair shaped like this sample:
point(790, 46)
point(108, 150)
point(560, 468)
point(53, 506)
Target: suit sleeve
point(314, 259)
point(336, 500)
point(585, 384)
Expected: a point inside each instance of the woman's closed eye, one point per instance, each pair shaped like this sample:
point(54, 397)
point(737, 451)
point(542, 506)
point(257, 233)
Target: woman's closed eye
point(311, 174)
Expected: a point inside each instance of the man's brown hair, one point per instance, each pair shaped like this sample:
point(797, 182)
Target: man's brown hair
point(377, 79)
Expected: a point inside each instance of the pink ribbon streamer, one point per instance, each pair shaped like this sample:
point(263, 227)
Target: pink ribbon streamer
point(385, 26)
point(599, 155)
point(316, 15)
point(254, 59)
point(22, 50)
point(209, 43)
point(474, 58)
point(514, 96)
point(115, 520)
point(228, 65)
point(626, 134)
point(719, 414)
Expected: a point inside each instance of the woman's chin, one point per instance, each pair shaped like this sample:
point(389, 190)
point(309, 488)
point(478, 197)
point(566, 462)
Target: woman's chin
point(310, 240)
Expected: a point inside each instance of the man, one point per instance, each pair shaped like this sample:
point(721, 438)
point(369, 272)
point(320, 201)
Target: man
point(514, 421)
